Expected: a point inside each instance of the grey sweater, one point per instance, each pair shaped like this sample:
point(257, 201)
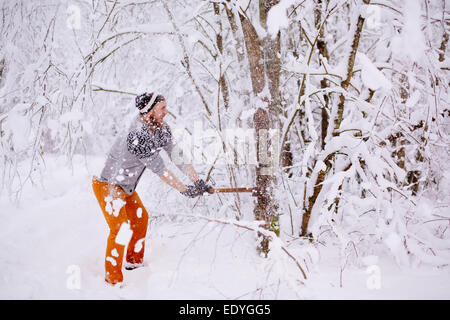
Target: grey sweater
point(135, 151)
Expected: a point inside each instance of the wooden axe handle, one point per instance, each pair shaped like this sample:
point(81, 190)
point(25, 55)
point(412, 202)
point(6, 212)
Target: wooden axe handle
point(228, 190)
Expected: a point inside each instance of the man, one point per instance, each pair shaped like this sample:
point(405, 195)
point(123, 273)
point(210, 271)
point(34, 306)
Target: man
point(127, 160)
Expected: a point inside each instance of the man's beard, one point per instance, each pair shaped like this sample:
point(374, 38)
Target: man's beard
point(156, 123)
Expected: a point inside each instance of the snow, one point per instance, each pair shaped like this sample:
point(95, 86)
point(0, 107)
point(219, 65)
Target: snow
point(113, 206)
point(371, 76)
point(139, 213)
point(147, 28)
point(411, 42)
point(50, 235)
point(124, 235)
point(112, 261)
point(277, 18)
point(247, 113)
point(413, 99)
point(71, 116)
point(370, 260)
point(380, 241)
point(138, 247)
point(17, 119)
point(393, 241)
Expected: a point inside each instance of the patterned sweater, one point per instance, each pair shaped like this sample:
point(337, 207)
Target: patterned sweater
point(132, 153)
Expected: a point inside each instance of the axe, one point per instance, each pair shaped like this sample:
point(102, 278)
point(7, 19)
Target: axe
point(231, 190)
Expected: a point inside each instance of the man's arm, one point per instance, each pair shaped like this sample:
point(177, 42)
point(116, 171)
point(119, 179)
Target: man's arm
point(190, 191)
point(187, 169)
point(190, 172)
point(168, 177)
point(198, 183)
point(141, 145)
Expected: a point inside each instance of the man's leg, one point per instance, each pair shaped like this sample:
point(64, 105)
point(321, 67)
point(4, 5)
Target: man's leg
point(112, 202)
point(138, 217)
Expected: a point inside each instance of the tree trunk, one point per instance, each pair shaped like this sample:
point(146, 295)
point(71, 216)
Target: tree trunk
point(254, 55)
point(272, 63)
point(337, 122)
point(323, 52)
point(219, 42)
point(264, 209)
point(443, 47)
point(263, 57)
point(234, 31)
point(345, 84)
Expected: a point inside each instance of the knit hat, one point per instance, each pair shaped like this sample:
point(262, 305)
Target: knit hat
point(146, 101)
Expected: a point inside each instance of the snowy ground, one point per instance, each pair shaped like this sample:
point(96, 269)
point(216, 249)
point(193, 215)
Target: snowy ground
point(58, 230)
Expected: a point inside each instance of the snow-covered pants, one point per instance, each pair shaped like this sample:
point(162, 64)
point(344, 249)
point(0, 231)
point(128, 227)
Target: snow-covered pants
point(127, 214)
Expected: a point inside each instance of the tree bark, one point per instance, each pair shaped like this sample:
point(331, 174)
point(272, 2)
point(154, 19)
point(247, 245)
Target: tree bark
point(264, 209)
point(443, 47)
point(234, 31)
point(337, 122)
point(312, 199)
point(219, 42)
point(263, 57)
point(272, 63)
point(323, 52)
point(254, 55)
point(346, 82)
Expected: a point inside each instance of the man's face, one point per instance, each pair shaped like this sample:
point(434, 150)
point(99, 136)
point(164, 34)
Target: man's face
point(158, 112)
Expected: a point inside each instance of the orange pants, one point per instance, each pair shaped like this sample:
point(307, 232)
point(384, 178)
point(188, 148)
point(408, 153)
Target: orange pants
point(120, 208)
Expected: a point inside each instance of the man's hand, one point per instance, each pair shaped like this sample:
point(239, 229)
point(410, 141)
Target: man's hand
point(202, 186)
point(191, 192)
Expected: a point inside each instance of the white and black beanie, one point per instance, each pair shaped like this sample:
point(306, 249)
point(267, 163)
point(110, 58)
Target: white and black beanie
point(146, 101)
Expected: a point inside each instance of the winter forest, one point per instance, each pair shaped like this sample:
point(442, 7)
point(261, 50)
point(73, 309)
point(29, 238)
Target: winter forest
point(335, 113)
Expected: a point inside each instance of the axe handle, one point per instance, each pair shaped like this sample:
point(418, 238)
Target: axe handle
point(227, 190)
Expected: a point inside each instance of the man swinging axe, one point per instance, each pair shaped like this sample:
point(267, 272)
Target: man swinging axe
point(115, 191)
